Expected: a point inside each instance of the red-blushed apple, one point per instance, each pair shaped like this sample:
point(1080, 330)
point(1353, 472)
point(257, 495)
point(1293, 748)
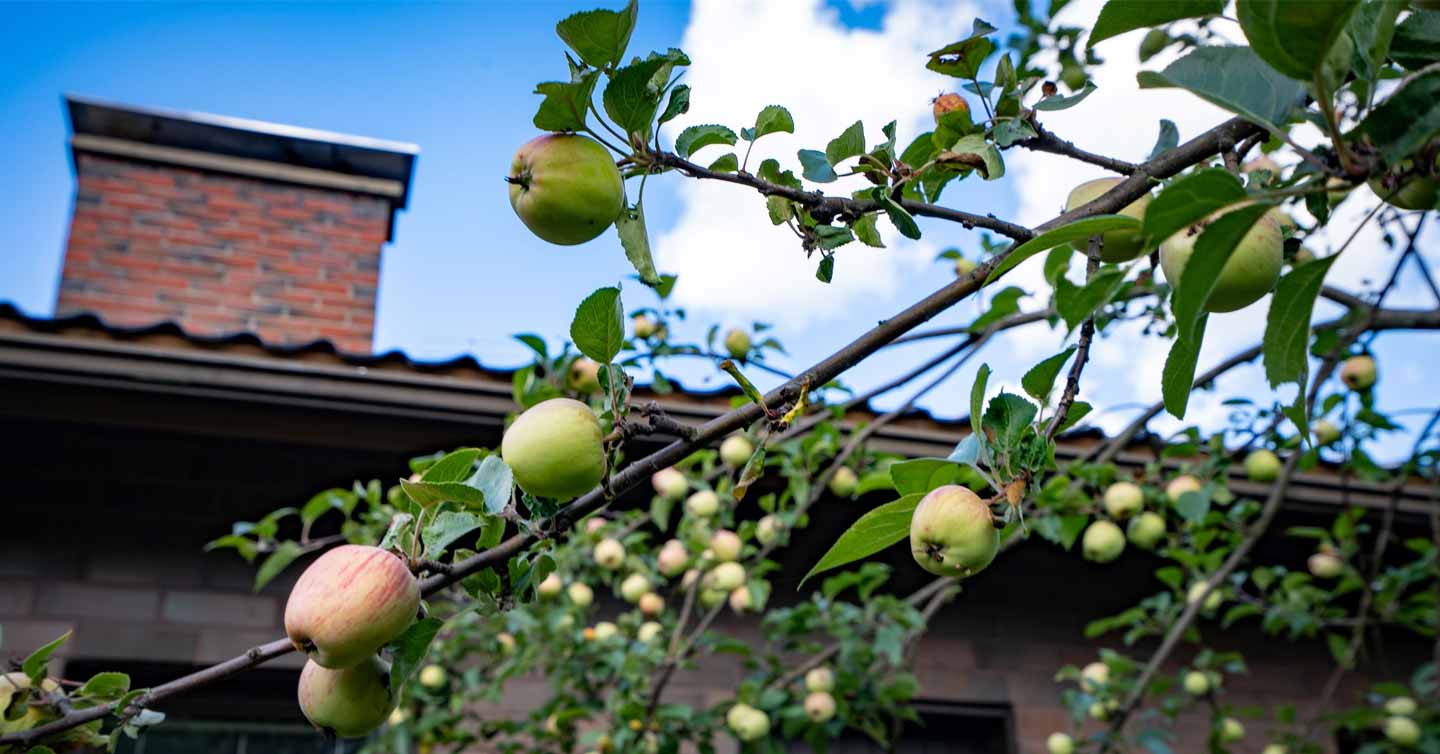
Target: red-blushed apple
point(651, 604)
point(819, 706)
point(672, 558)
point(1181, 485)
point(735, 451)
point(565, 188)
point(595, 523)
point(725, 545)
point(737, 343)
point(555, 449)
point(581, 595)
point(1358, 373)
point(843, 483)
point(1146, 529)
point(349, 603)
point(741, 600)
point(634, 587)
point(1123, 499)
point(1262, 466)
point(670, 483)
point(347, 702)
point(702, 504)
point(725, 577)
point(820, 679)
point(952, 532)
point(948, 102)
point(609, 554)
point(1249, 273)
point(768, 529)
point(1117, 245)
point(1102, 542)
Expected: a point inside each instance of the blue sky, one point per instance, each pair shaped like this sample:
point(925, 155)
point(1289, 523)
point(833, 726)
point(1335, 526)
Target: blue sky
point(463, 275)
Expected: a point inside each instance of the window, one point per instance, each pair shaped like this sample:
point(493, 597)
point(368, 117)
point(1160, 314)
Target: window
point(945, 729)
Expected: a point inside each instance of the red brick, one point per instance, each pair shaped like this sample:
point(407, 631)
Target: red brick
point(235, 234)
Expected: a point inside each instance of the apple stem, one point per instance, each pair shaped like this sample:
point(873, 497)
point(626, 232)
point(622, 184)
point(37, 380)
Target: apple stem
point(521, 181)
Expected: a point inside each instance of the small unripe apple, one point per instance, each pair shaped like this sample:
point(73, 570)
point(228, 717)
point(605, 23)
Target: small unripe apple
point(348, 702)
point(605, 630)
point(432, 676)
point(552, 724)
point(506, 641)
point(1406, 192)
point(1324, 431)
point(767, 529)
point(702, 504)
point(398, 716)
point(651, 604)
point(820, 679)
point(963, 266)
point(710, 597)
point(741, 600)
point(747, 723)
point(634, 587)
point(1402, 730)
point(1123, 499)
point(648, 631)
point(1155, 40)
point(737, 343)
point(581, 594)
point(565, 188)
point(1262, 466)
point(1117, 245)
point(1302, 256)
point(1060, 743)
point(689, 579)
point(588, 634)
point(1325, 565)
point(1146, 529)
point(946, 103)
point(1181, 485)
point(952, 532)
point(1212, 601)
point(843, 483)
point(1358, 373)
point(550, 587)
point(1094, 676)
point(1403, 706)
point(1073, 76)
point(1275, 749)
point(15, 683)
point(555, 449)
point(644, 325)
point(819, 706)
point(1263, 162)
point(672, 558)
point(609, 554)
point(1231, 730)
point(735, 451)
point(726, 577)
point(670, 483)
point(564, 622)
point(1102, 542)
point(584, 376)
point(595, 523)
point(1197, 683)
point(725, 545)
point(1249, 273)
point(1099, 711)
point(349, 603)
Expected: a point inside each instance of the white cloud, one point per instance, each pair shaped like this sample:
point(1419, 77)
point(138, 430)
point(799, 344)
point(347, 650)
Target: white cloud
point(732, 263)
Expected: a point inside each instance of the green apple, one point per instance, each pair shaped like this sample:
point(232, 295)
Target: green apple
point(644, 325)
point(349, 603)
point(584, 376)
point(1403, 706)
point(1181, 485)
point(648, 631)
point(1402, 730)
point(672, 558)
point(947, 103)
point(737, 343)
point(747, 723)
point(726, 577)
point(555, 449)
point(348, 702)
point(398, 716)
point(1197, 683)
point(634, 587)
point(1230, 730)
point(1094, 677)
point(1146, 529)
point(1324, 431)
point(17, 684)
point(670, 483)
point(1073, 76)
point(741, 600)
point(605, 630)
point(1060, 743)
point(506, 642)
point(844, 482)
point(735, 451)
point(581, 595)
point(711, 597)
point(565, 188)
point(1155, 40)
point(1416, 191)
point(550, 587)
point(1302, 256)
point(819, 706)
point(1118, 245)
point(725, 545)
point(1123, 499)
point(820, 679)
point(768, 529)
point(1262, 466)
point(1263, 162)
point(702, 504)
point(1212, 600)
point(609, 554)
point(432, 676)
point(651, 604)
point(1275, 749)
point(952, 532)
point(963, 267)
point(1102, 542)
point(1249, 273)
point(1358, 373)
point(1325, 565)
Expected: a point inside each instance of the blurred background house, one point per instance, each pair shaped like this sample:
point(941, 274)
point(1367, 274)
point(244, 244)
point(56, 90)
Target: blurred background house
point(210, 360)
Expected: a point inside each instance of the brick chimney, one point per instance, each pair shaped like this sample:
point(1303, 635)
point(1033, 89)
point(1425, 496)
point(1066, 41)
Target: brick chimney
point(226, 226)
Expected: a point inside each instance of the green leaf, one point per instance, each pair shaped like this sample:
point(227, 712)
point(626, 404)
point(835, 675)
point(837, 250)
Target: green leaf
point(1078, 411)
point(631, 98)
point(456, 466)
point(1008, 416)
point(899, 216)
point(1407, 119)
point(1202, 270)
point(599, 37)
point(920, 475)
point(106, 686)
point(826, 269)
point(830, 237)
point(1065, 102)
point(849, 144)
point(1234, 78)
point(816, 167)
point(408, 651)
point(285, 553)
point(772, 119)
point(1040, 380)
point(1294, 37)
point(565, 103)
point(972, 152)
point(598, 329)
point(679, 104)
point(634, 238)
point(1168, 139)
point(876, 530)
point(866, 231)
point(1371, 31)
point(34, 665)
point(245, 546)
point(1189, 200)
point(1002, 305)
point(1008, 132)
point(1192, 506)
point(1120, 16)
point(1075, 304)
point(494, 480)
point(1287, 324)
point(1076, 231)
point(321, 503)
point(1417, 40)
point(445, 528)
point(1179, 373)
point(729, 163)
point(428, 494)
point(694, 137)
point(963, 59)
point(977, 397)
